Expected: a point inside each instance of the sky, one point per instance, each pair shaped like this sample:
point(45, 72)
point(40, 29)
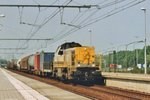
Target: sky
point(107, 25)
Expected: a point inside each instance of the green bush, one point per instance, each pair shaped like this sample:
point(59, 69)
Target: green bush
point(137, 70)
point(148, 70)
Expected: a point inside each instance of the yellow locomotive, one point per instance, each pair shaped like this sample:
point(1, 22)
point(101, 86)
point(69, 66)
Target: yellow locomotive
point(75, 62)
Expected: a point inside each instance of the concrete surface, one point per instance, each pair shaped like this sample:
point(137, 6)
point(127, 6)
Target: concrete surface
point(7, 90)
point(131, 76)
point(137, 82)
point(49, 91)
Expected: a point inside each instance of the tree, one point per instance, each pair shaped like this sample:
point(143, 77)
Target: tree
point(120, 57)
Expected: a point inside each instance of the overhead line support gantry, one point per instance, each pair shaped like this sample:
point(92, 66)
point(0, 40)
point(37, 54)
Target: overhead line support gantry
point(52, 6)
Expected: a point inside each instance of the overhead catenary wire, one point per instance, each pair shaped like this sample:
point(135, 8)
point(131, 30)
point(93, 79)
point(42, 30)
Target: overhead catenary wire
point(96, 10)
point(48, 7)
point(35, 2)
point(129, 5)
point(89, 21)
point(89, 16)
point(10, 53)
point(112, 12)
point(38, 27)
point(99, 8)
point(11, 48)
point(46, 20)
point(77, 17)
point(75, 20)
point(31, 29)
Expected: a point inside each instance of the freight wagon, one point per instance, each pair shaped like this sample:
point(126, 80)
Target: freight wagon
point(37, 63)
point(46, 63)
point(18, 64)
point(31, 63)
point(24, 66)
point(12, 64)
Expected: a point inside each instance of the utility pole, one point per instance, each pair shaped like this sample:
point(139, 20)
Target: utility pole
point(145, 60)
point(136, 52)
point(127, 54)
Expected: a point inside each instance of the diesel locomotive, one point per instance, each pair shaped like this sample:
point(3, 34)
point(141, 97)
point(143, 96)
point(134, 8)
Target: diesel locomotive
point(75, 62)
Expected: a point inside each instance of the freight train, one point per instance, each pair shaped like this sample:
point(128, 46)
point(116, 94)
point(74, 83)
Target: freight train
point(71, 61)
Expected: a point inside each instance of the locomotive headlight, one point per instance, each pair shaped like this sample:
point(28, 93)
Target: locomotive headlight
point(78, 65)
point(93, 64)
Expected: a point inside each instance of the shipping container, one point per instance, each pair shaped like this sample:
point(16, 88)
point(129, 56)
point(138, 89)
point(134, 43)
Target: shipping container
point(31, 63)
point(37, 62)
point(46, 61)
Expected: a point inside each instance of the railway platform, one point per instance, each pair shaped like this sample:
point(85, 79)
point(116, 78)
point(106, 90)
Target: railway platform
point(17, 87)
point(129, 76)
point(137, 82)
point(7, 90)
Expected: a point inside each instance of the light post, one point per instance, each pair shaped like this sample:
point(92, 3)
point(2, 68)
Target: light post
point(127, 54)
point(105, 59)
point(113, 60)
point(145, 60)
point(112, 50)
point(126, 46)
point(136, 51)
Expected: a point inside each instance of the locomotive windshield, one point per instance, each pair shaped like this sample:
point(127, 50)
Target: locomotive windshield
point(67, 46)
point(70, 45)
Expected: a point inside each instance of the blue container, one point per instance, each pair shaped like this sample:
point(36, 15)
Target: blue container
point(48, 57)
point(46, 61)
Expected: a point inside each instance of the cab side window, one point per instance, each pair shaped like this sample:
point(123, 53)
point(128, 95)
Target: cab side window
point(60, 52)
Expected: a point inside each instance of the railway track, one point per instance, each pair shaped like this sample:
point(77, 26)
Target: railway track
point(95, 92)
point(123, 92)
